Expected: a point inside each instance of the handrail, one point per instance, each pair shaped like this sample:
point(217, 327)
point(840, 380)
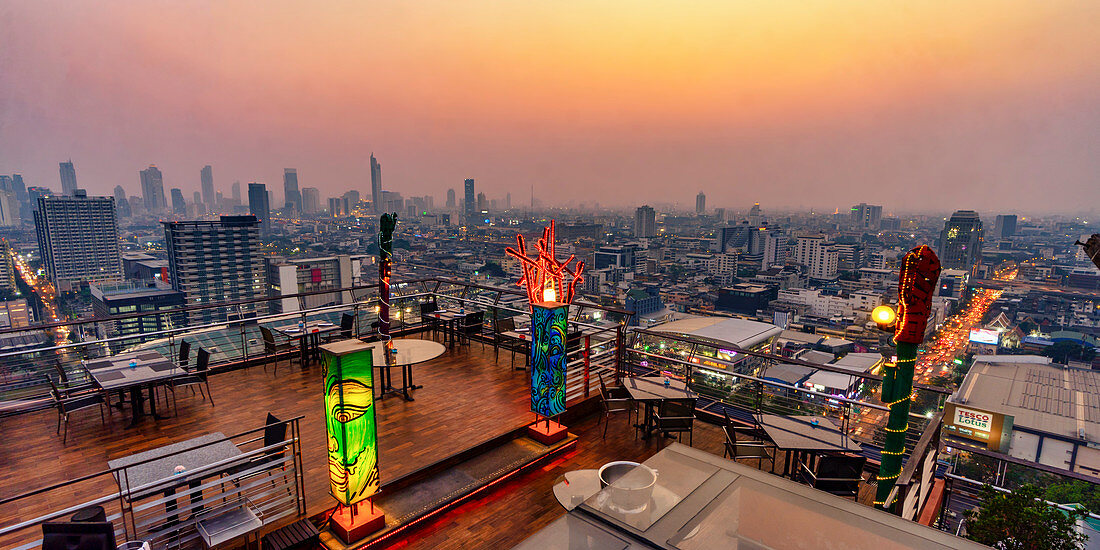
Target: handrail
point(780, 358)
point(955, 477)
point(772, 382)
point(59, 485)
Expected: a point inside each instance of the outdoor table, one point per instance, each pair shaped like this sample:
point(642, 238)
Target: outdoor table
point(575, 487)
point(701, 501)
point(309, 338)
point(651, 390)
point(410, 351)
point(141, 469)
point(151, 369)
point(805, 434)
point(449, 319)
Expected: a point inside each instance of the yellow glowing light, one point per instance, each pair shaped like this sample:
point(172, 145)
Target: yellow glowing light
point(884, 315)
point(549, 295)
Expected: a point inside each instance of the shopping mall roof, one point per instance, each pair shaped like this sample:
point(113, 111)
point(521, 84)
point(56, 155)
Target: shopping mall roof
point(740, 333)
point(1040, 395)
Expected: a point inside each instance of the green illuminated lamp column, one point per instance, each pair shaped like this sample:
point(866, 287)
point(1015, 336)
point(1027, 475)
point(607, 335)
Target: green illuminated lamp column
point(352, 435)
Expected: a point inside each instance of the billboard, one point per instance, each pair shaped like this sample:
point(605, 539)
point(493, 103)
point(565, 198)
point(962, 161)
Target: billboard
point(975, 420)
point(992, 430)
point(985, 336)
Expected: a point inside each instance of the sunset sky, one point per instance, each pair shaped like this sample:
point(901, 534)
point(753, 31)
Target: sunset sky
point(993, 106)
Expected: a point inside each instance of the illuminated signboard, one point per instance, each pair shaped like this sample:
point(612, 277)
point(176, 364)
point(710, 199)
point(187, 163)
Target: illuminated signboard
point(985, 336)
point(977, 420)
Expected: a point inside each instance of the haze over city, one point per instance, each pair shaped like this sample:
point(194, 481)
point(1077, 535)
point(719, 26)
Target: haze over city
point(814, 104)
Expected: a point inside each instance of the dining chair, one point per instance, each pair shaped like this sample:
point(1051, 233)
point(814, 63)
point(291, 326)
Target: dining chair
point(199, 376)
point(675, 416)
point(471, 325)
point(67, 401)
point(184, 354)
point(273, 349)
point(508, 342)
point(431, 322)
point(836, 474)
point(747, 446)
point(612, 405)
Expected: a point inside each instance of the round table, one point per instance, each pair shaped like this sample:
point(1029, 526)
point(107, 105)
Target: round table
point(575, 487)
point(410, 351)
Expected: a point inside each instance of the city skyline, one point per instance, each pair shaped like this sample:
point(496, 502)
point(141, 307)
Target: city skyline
point(995, 108)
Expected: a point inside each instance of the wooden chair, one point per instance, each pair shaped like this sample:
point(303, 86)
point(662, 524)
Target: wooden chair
point(675, 416)
point(747, 446)
point(68, 401)
point(199, 376)
point(273, 349)
point(835, 474)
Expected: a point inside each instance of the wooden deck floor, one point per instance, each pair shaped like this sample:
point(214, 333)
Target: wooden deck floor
point(468, 397)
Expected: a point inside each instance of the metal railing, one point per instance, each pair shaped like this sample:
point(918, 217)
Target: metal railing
point(165, 511)
point(232, 343)
point(743, 390)
point(963, 493)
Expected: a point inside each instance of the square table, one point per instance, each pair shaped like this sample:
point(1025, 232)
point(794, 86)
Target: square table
point(141, 469)
point(806, 434)
point(450, 319)
point(150, 369)
point(651, 390)
point(309, 336)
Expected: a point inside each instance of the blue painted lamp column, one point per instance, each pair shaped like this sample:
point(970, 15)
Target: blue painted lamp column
point(548, 360)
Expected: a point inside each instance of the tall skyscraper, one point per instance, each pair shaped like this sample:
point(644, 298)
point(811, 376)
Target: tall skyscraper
point(198, 198)
point(68, 178)
point(213, 262)
point(311, 200)
point(645, 222)
point(961, 241)
point(482, 204)
point(179, 206)
point(78, 239)
point(451, 198)
point(1004, 226)
point(291, 193)
point(820, 256)
point(235, 192)
point(470, 203)
point(756, 215)
point(508, 201)
point(207, 178)
point(259, 205)
point(122, 206)
point(18, 187)
point(866, 216)
point(9, 208)
point(335, 206)
point(700, 204)
point(152, 189)
point(375, 185)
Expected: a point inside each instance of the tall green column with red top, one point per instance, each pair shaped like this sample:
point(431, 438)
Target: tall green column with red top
point(920, 270)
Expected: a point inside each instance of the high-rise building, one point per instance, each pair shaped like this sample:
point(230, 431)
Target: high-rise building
point(311, 200)
point(482, 203)
point(121, 204)
point(7, 266)
point(335, 206)
point(207, 178)
point(214, 262)
point(152, 189)
point(68, 178)
point(18, 187)
point(866, 216)
point(471, 201)
point(776, 249)
point(197, 198)
point(700, 204)
point(351, 201)
point(961, 241)
point(259, 205)
point(375, 185)
point(78, 239)
point(179, 206)
point(645, 222)
point(9, 209)
point(508, 201)
point(290, 190)
point(450, 198)
point(820, 256)
point(756, 215)
point(235, 192)
point(1004, 226)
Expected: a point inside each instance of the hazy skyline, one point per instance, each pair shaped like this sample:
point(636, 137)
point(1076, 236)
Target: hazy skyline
point(982, 105)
